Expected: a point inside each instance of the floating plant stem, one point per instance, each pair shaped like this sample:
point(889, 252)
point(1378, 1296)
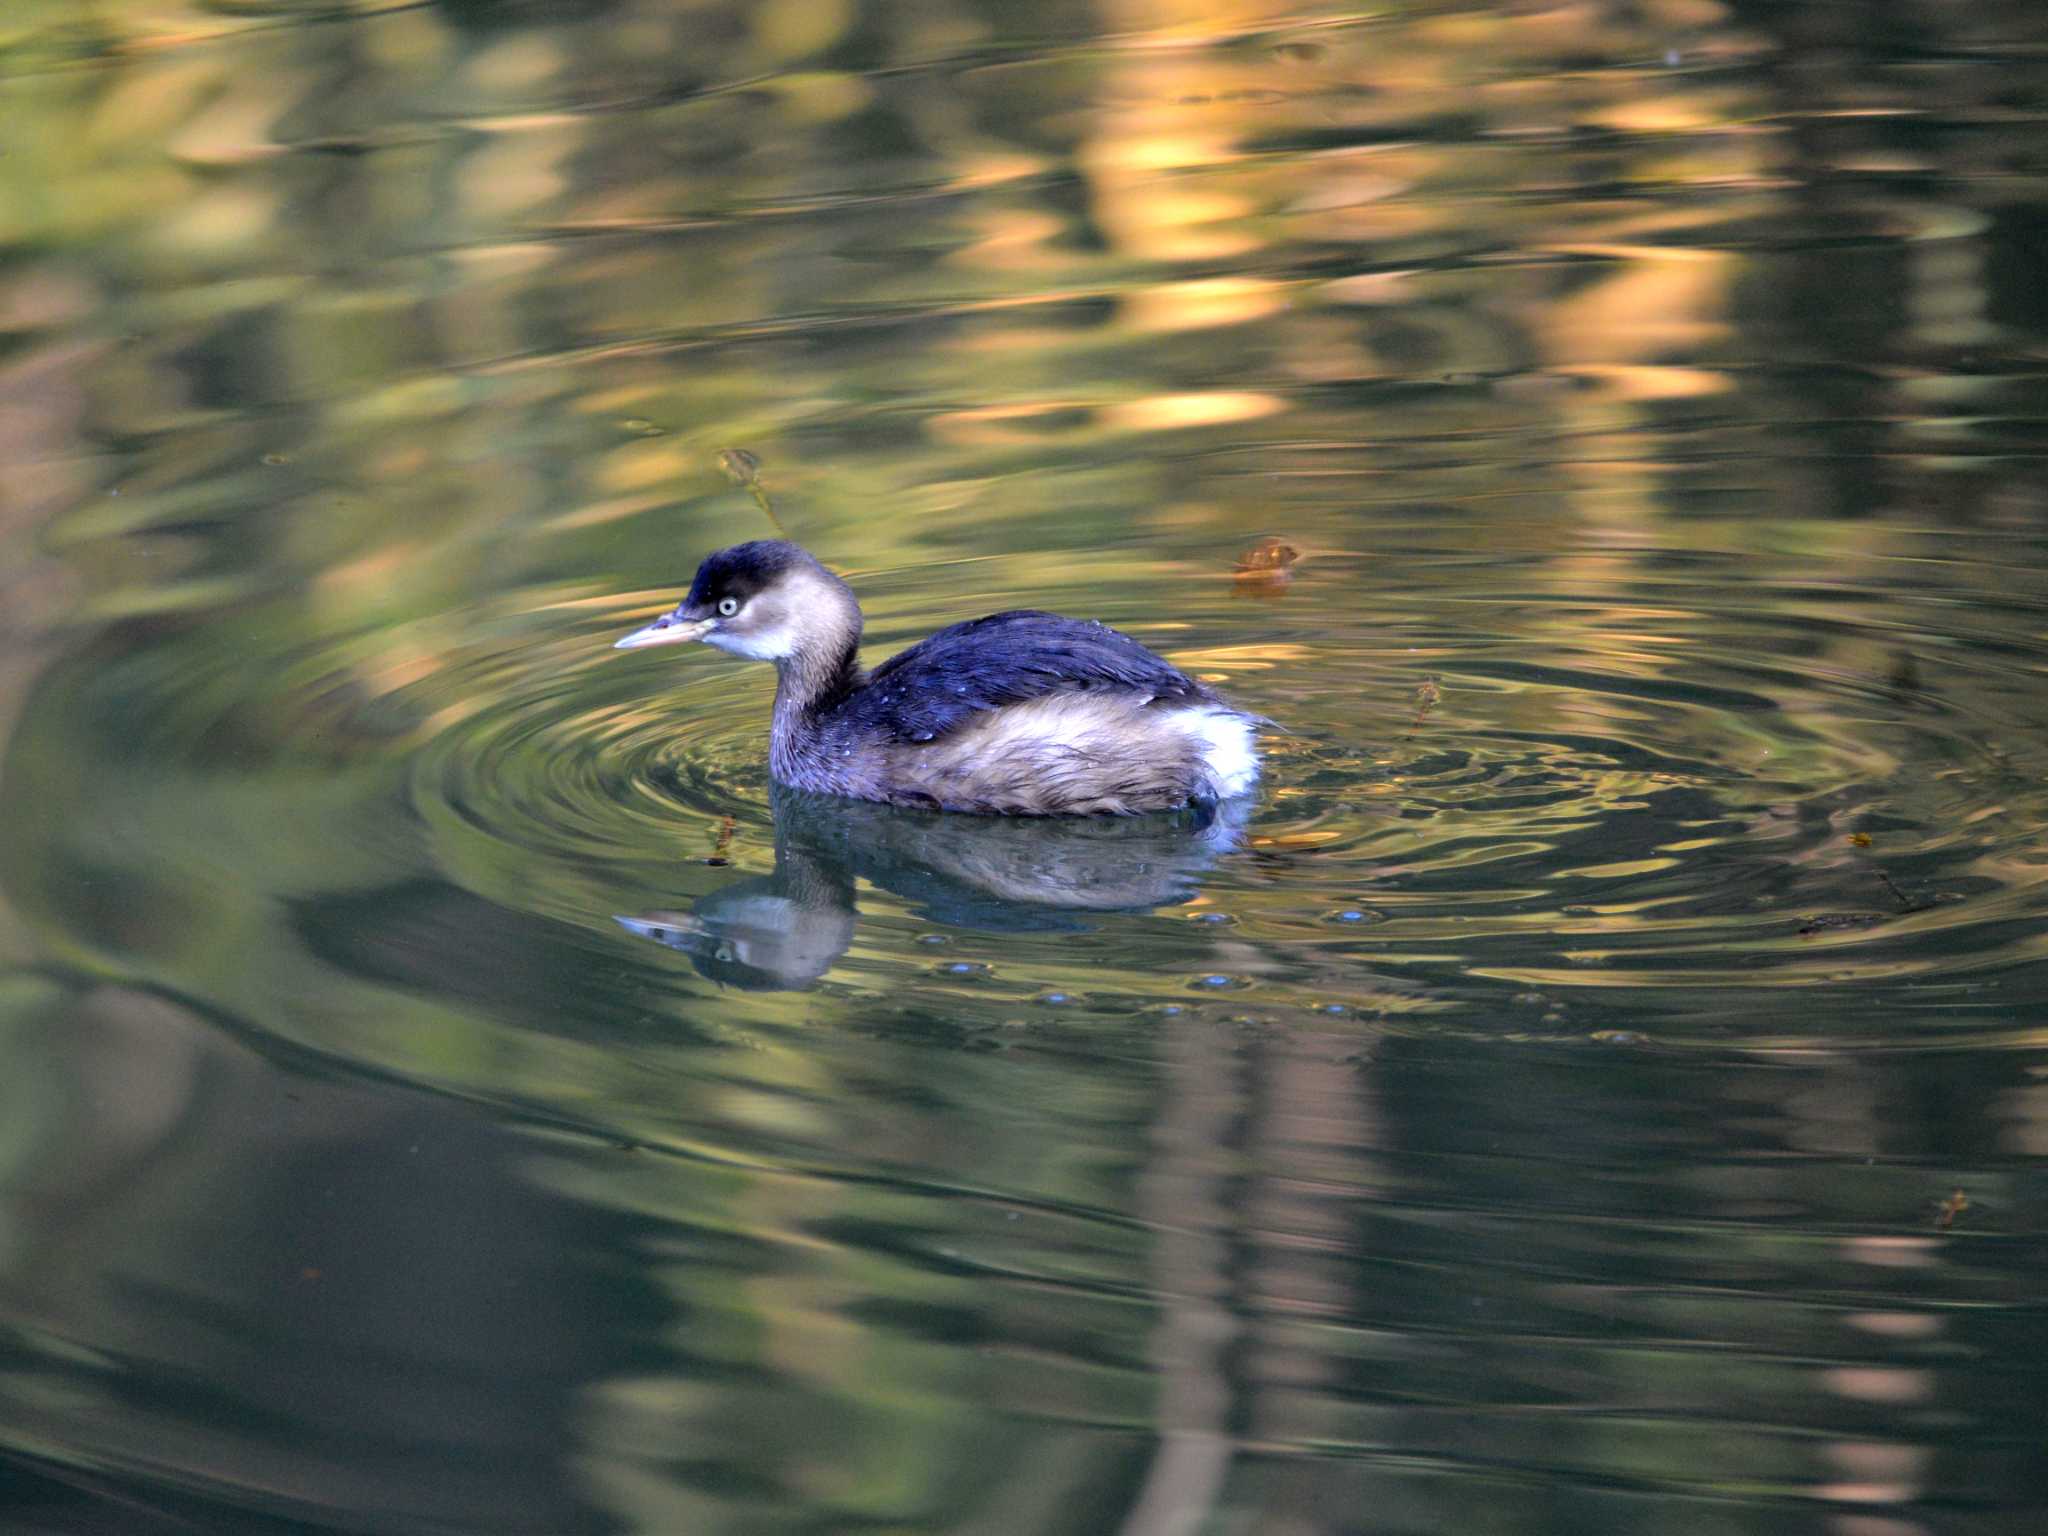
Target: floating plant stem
point(744, 469)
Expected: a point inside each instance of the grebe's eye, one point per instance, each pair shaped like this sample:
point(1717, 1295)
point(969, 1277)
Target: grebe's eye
point(728, 606)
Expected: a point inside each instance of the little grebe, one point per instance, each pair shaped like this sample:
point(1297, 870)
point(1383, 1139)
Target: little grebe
point(1017, 714)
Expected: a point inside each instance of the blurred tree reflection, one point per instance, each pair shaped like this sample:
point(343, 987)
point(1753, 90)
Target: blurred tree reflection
point(353, 355)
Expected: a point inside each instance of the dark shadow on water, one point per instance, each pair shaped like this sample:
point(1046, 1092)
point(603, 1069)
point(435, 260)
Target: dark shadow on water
point(434, 939)
point(782, 931)
point(253, 1300)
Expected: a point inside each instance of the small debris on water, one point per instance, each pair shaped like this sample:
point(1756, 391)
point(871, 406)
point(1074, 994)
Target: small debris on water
point(740, 466)
point(1906, 903)
point(721, 847)
point(1840, 922)
point(1428, 694)
point(743, 468)
point(1266, 569)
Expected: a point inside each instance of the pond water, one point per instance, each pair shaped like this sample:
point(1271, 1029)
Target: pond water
point(1600, 1084)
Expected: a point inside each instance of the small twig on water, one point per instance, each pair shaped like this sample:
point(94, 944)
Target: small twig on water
point(744, 469)
point(1905, 904)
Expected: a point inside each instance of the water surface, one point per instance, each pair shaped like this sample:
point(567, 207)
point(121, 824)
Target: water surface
point(1597, 1085)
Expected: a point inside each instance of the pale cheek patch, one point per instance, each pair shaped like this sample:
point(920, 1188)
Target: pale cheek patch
point(770, 644)
point(800, 609)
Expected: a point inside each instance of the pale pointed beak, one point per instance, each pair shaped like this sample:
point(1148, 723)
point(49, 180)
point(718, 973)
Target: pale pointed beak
point(666, 630)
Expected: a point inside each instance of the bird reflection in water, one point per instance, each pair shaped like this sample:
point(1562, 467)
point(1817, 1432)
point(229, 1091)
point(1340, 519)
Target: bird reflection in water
point(782, 931)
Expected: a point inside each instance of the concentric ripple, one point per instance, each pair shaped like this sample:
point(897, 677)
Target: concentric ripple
point(1573, 827)
point(1706, 811)
point(566, 757)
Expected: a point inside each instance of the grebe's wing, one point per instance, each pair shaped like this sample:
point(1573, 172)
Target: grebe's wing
point(1009, 658)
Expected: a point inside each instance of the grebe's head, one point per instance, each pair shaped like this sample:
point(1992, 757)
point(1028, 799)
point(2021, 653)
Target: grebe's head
point(768, 600)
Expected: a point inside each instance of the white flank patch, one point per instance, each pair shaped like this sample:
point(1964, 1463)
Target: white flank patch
point(1228, 750)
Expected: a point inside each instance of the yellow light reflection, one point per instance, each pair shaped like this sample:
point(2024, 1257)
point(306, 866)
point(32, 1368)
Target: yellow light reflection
point(1204, 302)
point(1202, 408)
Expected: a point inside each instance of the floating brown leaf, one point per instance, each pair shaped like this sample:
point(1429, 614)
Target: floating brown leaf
point(1266, 569)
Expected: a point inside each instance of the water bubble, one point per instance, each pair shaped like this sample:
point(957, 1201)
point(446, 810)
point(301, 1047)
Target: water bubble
point(1357, 916)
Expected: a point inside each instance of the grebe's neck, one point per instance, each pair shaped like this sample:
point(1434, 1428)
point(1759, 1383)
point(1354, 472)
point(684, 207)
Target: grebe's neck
point(820, 671)
point(808, 684)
